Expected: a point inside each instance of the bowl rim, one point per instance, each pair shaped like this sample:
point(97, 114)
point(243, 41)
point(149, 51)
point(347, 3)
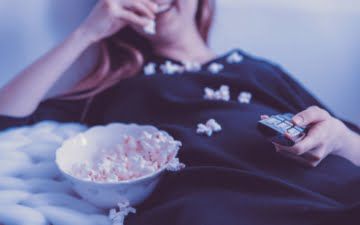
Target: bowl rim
point(131, 181)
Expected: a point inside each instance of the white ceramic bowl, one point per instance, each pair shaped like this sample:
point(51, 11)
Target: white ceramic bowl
point(106, 195)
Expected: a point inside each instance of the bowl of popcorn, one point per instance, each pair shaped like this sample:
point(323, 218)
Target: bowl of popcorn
point(117, 163)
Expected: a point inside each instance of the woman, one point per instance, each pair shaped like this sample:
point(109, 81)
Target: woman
point(234, 176)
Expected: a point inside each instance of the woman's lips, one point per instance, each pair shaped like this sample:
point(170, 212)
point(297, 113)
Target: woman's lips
point(166, 6)
point(163, 8)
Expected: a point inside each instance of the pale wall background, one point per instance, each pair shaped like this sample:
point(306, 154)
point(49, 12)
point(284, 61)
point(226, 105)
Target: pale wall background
point(316, 41)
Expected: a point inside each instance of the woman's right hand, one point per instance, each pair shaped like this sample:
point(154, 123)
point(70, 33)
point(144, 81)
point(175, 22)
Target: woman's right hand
point(110, 16)
point(107, 17)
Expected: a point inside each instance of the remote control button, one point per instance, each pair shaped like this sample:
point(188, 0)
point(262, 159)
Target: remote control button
point(273, 121)
point(284, 125)
point(288, 116)
point(293, 132)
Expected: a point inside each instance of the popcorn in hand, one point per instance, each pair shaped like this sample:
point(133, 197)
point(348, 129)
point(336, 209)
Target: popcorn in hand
point(215, 68)
point(234, 58)
point(150, 28)
point(245, 97)
point(150, 69)
point(118, 217)
point(170, 68)
point(209, 128)
point(222, 94)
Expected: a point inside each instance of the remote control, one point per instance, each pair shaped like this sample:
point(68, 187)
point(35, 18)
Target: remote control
point(275, 127)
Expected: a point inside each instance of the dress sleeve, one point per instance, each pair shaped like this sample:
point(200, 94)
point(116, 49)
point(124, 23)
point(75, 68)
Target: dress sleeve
point(52, 109)
point(307, 99)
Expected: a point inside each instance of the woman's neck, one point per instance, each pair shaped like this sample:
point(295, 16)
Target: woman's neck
point(189, 47)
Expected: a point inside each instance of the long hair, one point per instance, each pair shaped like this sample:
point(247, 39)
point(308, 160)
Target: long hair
point(123, 55)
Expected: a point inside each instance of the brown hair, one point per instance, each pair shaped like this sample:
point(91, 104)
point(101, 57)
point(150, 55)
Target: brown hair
point(123, 56)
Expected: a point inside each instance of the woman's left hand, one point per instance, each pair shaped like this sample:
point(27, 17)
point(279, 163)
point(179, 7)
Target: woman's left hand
point(326, 135)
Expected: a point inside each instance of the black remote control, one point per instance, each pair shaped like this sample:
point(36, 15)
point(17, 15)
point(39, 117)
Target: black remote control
point(275, 127)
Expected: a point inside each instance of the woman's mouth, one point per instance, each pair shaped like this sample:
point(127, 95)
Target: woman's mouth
point(164, 7)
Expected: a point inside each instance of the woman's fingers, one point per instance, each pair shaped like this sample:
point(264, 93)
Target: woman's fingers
point(138, 13)
point(113, 7)
point(326, 135)
point(133, 18)
point(143, 9)
point(151, 5)
point(318, 154)
point(311, 115)
point(311, 156)
point(309, 142)
point(110, 16)
point(310, 151)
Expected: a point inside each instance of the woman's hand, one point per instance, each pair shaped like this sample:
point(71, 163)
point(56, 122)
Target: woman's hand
point(110, 16)
point(326, 135)
point(107, 17)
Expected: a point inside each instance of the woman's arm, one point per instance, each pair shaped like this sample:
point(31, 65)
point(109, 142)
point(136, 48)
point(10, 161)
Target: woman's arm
point(23, 94)
point(351, 150)
point(327, 135)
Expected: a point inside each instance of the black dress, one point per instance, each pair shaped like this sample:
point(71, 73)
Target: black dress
point(234, 177)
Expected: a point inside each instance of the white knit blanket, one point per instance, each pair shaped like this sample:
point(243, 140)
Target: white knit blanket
point(32, 190)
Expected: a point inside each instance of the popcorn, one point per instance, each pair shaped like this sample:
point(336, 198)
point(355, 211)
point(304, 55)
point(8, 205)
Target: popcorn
point(222, 94)
point(130, 159)
point(245, 97)
point(174, 165)
point(192, 66)
point(209, 94)
point(215, 68)
point(150, 28)
point(150, 69)
point(170, 68)
point(213, 125)
point(234, 58)
point(118, 217)
point(209, 128)
point(203, 129)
